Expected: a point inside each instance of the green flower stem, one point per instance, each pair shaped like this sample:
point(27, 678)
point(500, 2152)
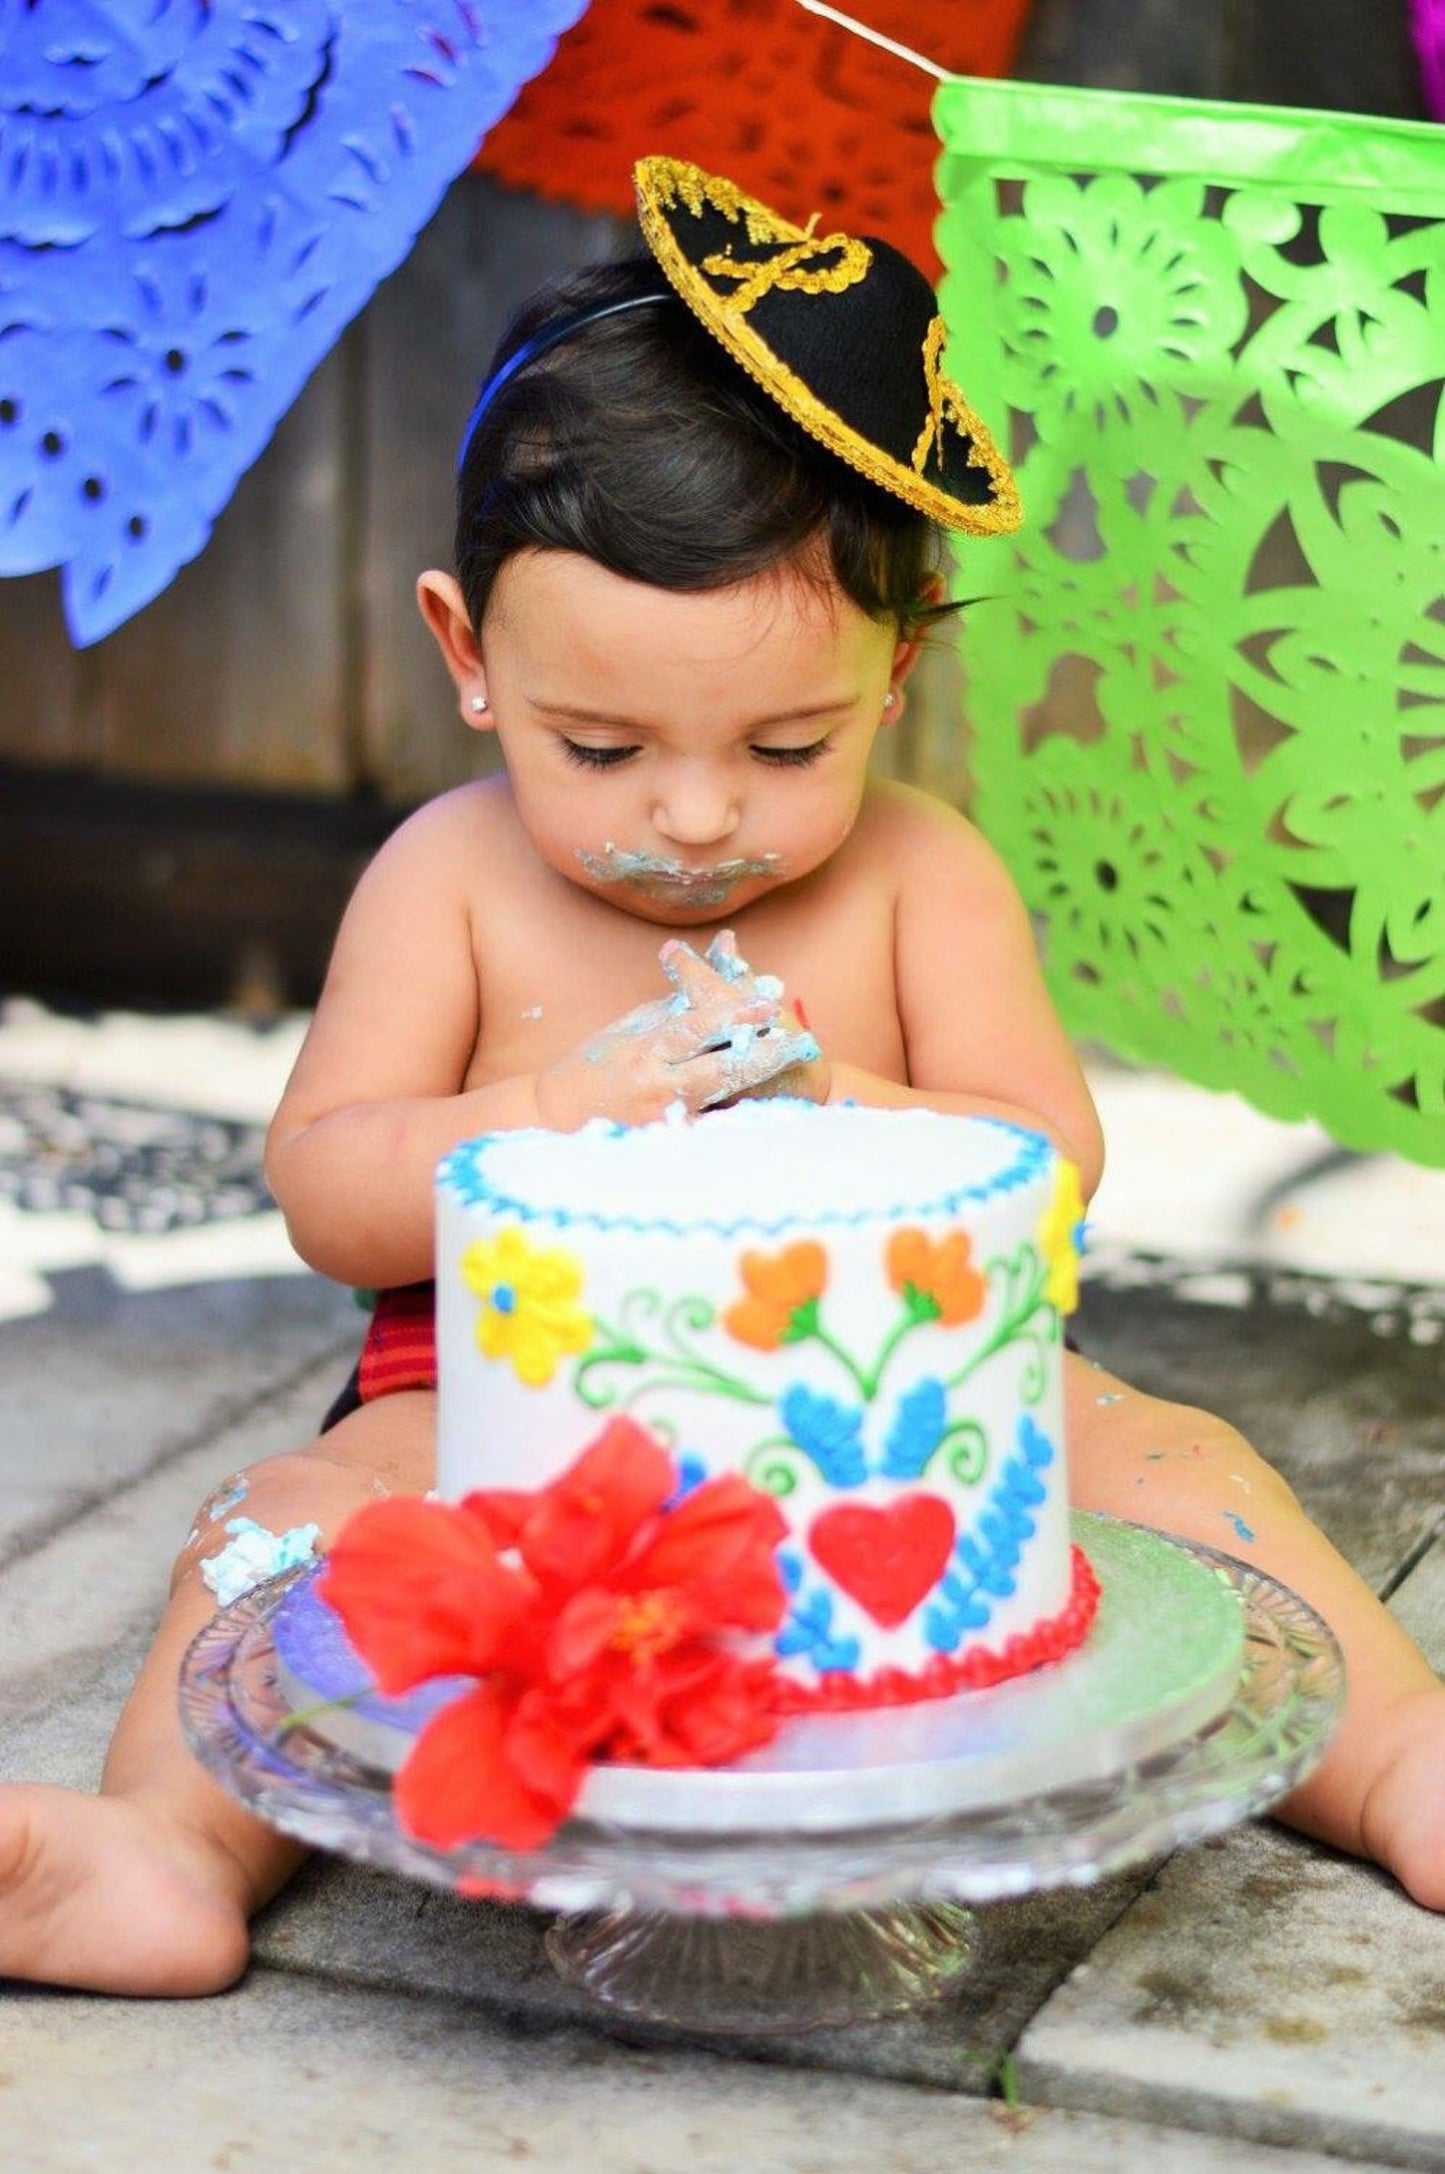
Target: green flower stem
point(909, 1319)
point(845, 1359)
point(962, 1430)
point(787, 1455)
point(685, 1371)
point(700, 1378)
point(1014, 1321)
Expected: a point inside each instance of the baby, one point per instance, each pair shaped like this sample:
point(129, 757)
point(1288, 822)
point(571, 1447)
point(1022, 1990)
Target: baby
point(698, 547)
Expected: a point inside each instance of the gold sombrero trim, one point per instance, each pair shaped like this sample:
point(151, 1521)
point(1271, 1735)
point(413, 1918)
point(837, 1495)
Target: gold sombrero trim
point(669, 181)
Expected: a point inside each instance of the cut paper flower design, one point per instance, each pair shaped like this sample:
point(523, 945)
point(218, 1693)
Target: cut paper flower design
point(530, 1315)
point(589, 1613)
point(1117, 885)
point(1209, 714)
point(1110, 284)
point(192, 207)
point(796, 110)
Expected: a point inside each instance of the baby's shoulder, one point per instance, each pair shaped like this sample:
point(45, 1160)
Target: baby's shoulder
point(439, 841)
point(924, 840)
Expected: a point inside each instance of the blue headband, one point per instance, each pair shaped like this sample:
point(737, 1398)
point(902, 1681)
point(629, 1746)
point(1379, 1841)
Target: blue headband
point(549, 336)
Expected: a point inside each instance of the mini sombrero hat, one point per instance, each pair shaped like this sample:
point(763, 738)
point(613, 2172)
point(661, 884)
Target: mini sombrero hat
point(841, 330)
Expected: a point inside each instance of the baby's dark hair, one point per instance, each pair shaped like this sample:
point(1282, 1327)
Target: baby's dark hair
point(639, 443)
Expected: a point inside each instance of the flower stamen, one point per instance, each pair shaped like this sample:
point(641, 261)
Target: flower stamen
point(648, 1624)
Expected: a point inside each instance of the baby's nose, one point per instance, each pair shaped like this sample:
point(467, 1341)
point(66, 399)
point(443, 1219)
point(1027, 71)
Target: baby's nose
point(695, 807)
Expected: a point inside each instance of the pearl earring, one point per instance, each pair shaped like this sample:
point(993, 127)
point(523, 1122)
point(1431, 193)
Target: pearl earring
point(890, 700)
point(478, 705)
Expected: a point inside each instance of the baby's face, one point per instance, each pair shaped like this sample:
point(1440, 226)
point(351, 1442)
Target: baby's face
point(682, 754)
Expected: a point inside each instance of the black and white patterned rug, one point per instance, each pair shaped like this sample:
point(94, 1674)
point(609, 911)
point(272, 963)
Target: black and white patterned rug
point(134, 1144)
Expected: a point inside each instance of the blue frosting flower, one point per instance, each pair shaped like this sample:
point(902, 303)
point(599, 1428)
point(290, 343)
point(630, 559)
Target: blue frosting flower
point(827, 1432)
point(916, 1431)
point(985, 1559)
point(691, 1472)
point(809, 1631)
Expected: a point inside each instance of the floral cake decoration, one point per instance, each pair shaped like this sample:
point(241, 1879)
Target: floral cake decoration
point(588, 1612)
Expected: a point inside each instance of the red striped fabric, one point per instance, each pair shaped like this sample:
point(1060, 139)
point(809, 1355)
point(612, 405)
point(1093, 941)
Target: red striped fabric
point(400, 1351)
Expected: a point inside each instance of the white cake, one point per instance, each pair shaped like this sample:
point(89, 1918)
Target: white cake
point(859, 1310)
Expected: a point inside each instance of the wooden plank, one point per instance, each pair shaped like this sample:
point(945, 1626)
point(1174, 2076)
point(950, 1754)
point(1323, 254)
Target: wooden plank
point(1172, 46)
point(430, 332)
point(234, 675)
point(1332, 53)
point(136, 894)
point(44, 716)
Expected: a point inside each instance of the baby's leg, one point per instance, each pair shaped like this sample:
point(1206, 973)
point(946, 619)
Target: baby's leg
point(147, 1887)
point(1380, 1790)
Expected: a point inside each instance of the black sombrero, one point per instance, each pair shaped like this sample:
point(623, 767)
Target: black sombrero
point(841, 330)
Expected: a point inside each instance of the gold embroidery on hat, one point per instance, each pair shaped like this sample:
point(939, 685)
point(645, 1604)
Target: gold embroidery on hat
point(800, 268)
point(946, 403)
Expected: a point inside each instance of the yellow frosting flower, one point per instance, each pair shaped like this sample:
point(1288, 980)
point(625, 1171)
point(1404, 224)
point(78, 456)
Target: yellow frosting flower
point(529, 1298)
point(1061, 1240)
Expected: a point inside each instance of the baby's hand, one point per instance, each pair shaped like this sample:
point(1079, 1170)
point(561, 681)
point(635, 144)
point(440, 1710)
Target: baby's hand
point(718, 1036)
point(804, 1070)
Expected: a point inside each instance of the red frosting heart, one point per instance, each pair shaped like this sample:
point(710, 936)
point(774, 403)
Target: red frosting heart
point(886, 1556)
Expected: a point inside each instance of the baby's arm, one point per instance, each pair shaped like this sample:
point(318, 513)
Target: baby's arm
point(378, 1094)
point(980, 1032)
point(376, 1097)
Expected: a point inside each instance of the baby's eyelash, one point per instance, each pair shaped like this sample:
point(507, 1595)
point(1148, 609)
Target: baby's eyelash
point(796, 758)
point(596, 758)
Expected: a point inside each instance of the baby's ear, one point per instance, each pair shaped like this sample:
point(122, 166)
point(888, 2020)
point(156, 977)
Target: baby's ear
point(911, 638)
point(442, 606)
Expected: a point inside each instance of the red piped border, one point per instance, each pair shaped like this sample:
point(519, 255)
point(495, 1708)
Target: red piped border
point(978, 1670)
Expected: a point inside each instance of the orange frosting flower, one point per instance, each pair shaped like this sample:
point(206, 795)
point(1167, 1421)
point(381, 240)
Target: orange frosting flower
point(585, 1610)
point(938, 1271)
point(783, 1290)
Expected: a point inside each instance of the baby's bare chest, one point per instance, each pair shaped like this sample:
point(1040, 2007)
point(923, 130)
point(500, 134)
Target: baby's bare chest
point(552, 974)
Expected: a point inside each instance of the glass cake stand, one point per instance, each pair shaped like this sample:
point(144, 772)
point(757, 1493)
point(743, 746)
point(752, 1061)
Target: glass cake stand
point(783, 1926)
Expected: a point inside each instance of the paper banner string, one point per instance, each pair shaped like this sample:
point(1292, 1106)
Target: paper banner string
point(1210, 708)
point(796, 105)
point(874, 37)
point(193, 203)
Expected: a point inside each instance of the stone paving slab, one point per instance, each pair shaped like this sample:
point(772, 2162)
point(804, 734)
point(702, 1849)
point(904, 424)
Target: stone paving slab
point(1345, 1403)
point(287, 2072)
point(1261, 1989)
point(1266, 1988)
point(69, 1666)
point(110, 1383)
point(363, 1927)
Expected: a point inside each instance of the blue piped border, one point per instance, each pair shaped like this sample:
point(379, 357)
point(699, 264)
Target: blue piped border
point(461, 1174)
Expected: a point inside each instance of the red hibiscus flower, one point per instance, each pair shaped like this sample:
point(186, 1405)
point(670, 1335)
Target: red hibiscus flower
point(587, 1610)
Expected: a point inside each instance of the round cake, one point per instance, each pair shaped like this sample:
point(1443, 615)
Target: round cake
point(858, 1310)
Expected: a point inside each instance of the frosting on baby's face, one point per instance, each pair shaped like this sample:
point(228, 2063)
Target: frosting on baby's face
point(661, 877)
point(678, 753)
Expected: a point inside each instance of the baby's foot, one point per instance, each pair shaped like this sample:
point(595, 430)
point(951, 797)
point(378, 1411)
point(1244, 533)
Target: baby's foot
point(1403, 1819)
point(100, 1892)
